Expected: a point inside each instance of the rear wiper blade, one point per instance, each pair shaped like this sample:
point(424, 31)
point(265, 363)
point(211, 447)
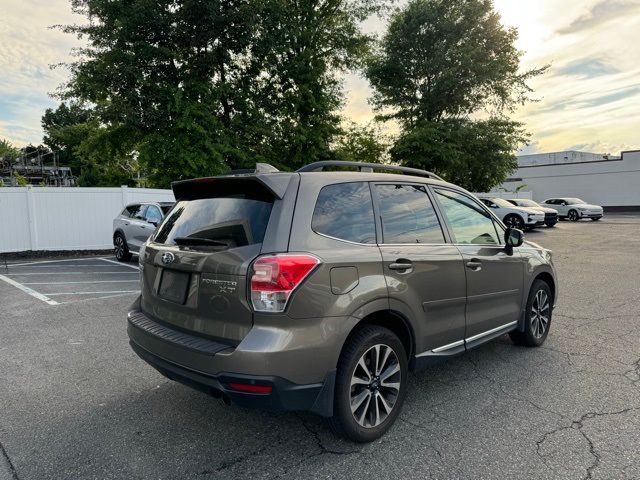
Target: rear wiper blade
point(198, 241)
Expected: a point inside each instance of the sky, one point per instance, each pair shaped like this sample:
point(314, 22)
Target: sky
point(589, 100)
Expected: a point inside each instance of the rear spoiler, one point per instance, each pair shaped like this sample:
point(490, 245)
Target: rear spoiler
point(274, 184)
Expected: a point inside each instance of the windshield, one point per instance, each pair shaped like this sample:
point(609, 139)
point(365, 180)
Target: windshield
point(574, 201)
point(233, 221)
point(501, 203)
point(525, 203)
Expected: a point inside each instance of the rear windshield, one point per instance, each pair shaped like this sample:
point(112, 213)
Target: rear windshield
point(234, 221)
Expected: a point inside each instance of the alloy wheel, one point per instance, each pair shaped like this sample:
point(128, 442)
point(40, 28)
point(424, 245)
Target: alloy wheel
point(375, 385)
point(514, 221)
point(119, 247)
point(573, 215)
point(540, 309)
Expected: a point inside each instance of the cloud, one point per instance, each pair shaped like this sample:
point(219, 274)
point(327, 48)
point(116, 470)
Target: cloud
point(600, 13)
point(27, 49)
point(587, 67)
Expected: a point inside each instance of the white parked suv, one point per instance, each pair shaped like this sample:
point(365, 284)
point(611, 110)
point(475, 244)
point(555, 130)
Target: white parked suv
point(512, 216)
point(574, 208)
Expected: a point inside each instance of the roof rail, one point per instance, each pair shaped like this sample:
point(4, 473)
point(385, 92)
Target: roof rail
point(367, 167)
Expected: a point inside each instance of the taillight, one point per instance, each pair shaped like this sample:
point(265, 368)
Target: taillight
point(275, 277)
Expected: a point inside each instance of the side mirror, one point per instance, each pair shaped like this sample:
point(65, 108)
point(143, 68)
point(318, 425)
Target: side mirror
point(153, 222)
point(513, 238)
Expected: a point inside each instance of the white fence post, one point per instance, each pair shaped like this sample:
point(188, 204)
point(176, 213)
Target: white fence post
point(31, 218)
point(125, 195)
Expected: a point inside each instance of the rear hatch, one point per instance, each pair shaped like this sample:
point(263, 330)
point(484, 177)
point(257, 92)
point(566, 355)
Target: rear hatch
point(195, 266)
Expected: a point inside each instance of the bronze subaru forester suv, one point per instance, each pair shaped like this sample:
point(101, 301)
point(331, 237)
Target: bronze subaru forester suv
point(320, 290)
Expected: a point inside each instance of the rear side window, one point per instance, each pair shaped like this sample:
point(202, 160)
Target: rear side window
point(345, 211)
point(231, 221)
point(130, 210)
point(408, 215)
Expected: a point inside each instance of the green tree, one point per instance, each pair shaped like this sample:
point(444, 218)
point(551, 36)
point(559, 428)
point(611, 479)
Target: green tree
point(304, 45)
point(8, 152)
point(439, 65)
point(476, 155)
point(65, 128)
point(194, 87)
point(362, 143)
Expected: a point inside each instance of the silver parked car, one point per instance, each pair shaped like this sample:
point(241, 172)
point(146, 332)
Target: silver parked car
point(134, 225)
point(574, 208)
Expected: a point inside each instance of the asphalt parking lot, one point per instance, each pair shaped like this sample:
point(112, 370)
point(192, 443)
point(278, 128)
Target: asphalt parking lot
point(76, 402)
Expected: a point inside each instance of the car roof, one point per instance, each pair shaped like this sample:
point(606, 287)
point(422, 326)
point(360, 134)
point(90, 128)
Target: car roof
point(162, 204)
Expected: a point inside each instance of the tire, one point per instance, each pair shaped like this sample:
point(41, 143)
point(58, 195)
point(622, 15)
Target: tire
point(550, 225)
point(535, 330)
point(120, 248)
point(573, 216)
point(595, 219)
point(514, 221)
point(354, 384)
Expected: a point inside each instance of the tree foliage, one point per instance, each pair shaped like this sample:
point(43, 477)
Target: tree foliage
point(441, 65)
point(8, 151)
point(476, 155)
point(362, 143)
point(195, 87)
point(447, 59)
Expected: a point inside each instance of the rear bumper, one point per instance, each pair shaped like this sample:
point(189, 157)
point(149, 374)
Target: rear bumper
point(285, 395)
point(300, 373)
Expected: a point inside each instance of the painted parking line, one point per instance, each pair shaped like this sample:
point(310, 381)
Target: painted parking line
point(86, 282)
point(28, 290)
point(119, 263)
point(83, 278)
point(66, 265)
point(20, 274)
point(93, 293)
point(43, 262)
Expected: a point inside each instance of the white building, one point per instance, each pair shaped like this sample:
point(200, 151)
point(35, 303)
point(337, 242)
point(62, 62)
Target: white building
point(612, 182)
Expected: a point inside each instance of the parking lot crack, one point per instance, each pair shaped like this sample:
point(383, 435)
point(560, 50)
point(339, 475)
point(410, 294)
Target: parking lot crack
point(323, 448)
point(579, 425)
point(12, 469)
point(634, 371)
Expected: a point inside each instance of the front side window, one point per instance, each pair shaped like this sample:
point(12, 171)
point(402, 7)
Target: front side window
point(407, 215)
point(153, 215)
point(470, 223)
point(345, 211)
point(139, 212)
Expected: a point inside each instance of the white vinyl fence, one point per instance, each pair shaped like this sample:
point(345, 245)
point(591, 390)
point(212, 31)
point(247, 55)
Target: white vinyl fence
point(68, 218)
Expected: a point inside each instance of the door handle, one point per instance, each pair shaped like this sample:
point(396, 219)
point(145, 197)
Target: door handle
point(474, 264)
point(401, 265)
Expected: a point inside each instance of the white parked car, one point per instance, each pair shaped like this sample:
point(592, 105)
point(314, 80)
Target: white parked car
point(550, 214)
point(574, 208)
point(512, 216)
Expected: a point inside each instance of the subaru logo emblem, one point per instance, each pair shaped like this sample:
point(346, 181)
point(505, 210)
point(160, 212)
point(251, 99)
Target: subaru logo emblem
point(167, 258)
